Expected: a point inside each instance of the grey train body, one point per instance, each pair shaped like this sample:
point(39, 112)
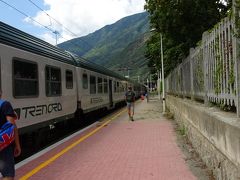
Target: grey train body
point(47, 85)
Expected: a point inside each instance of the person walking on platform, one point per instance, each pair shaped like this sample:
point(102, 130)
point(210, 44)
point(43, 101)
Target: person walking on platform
point(7, 154)
point(130, 99)
point(146, 95)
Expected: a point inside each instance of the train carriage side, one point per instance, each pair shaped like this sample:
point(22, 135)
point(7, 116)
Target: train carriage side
point(37, 78)
point(119, 89)
point(98, 87)
point(92, 90)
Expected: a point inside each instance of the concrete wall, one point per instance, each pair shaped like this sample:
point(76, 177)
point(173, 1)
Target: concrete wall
point(214, 134)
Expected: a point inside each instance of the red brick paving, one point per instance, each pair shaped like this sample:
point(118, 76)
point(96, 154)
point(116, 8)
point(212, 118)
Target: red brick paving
point(145, 149)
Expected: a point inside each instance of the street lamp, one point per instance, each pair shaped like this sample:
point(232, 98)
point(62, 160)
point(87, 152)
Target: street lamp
point(163, 87)
point(159, 83)
point(147, 83)
point(150, 82)
point(162, 71)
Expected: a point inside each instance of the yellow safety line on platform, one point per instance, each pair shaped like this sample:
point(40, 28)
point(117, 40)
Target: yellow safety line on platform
point(46, 163)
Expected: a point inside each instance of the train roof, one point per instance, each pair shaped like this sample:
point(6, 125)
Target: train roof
point(19, 39)
point(84, 63)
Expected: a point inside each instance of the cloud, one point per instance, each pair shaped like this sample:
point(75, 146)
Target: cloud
point(81, 17)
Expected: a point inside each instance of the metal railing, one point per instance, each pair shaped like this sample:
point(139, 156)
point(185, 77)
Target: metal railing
point(210, 72)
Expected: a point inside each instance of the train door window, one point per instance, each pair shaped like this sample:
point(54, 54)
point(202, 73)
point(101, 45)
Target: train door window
point(69, 79)
point(118, 87)
point(115, 86)
point(92, 85)
point(121, 87)
point(25, 78)
point(53, 81)
point(100, 86)
point(85, 81)
point(105, 86)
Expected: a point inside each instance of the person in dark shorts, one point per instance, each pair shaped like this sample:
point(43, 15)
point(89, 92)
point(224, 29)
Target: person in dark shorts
point(130, 99)
point(7, 155)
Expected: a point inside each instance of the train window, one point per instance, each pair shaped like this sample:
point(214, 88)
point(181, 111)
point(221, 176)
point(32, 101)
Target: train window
point(118, 90)
point(100, 86)
point(93, 85)
point(105, 86)
point(25, 78)
point(85, 81)
point(115, 86)
point(53, 81)
point(121, 89)
point(69, 79)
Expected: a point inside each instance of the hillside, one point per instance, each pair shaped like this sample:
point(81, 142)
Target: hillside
point(115, 46)
point(132, 58)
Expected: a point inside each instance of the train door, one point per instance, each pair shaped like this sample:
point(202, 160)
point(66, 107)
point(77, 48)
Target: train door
point(110, 93)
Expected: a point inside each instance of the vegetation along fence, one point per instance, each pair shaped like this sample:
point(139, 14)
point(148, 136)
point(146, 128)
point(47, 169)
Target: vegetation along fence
point(211, 72)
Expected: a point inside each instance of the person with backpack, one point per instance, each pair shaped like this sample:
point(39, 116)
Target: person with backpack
point(13, 149)
point(130, 99)
point(146, 95)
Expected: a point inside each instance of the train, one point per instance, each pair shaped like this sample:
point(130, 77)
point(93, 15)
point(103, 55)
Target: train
point(47, 85)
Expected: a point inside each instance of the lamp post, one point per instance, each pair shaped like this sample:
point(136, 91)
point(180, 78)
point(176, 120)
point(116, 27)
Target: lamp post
point(162, 71)
point(163, 86)
point(159, 83)
point(150, 83)
point(147, 83)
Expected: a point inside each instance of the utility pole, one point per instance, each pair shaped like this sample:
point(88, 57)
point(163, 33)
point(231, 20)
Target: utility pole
point(56, 33)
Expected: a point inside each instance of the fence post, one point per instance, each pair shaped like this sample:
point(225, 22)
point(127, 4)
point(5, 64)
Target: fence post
point(205, 65)
point(191, 72)
point(235, 46)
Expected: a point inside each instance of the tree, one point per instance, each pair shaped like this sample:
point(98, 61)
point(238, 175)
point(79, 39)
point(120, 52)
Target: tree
point(181, 23)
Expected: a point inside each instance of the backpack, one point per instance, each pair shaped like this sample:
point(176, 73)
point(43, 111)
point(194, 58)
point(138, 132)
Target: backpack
point(130, 96)
point(7, 135)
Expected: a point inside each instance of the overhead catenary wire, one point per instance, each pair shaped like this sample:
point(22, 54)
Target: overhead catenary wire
point(26, 15)
point(32, 19)
point(59, 23)
point(48, 28)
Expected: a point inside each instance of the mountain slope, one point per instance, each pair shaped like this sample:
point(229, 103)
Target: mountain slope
point(115, 44)
point(131, 58)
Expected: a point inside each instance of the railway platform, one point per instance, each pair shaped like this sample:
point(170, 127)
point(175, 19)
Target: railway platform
point(115, 149)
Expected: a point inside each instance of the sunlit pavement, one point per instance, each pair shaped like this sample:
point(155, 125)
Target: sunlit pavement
point(124, 150)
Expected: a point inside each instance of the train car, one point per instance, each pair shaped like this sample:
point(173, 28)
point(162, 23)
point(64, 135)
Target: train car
point(99, 88)
point(37, 78)
point(48, 86)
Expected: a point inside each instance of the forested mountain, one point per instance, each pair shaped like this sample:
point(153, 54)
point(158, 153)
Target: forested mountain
point(180, 25)
point(117, 46)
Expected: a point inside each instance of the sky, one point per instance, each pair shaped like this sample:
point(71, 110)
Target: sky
point(65, 19)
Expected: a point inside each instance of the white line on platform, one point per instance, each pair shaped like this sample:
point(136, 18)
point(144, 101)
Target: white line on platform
point(20, 164)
